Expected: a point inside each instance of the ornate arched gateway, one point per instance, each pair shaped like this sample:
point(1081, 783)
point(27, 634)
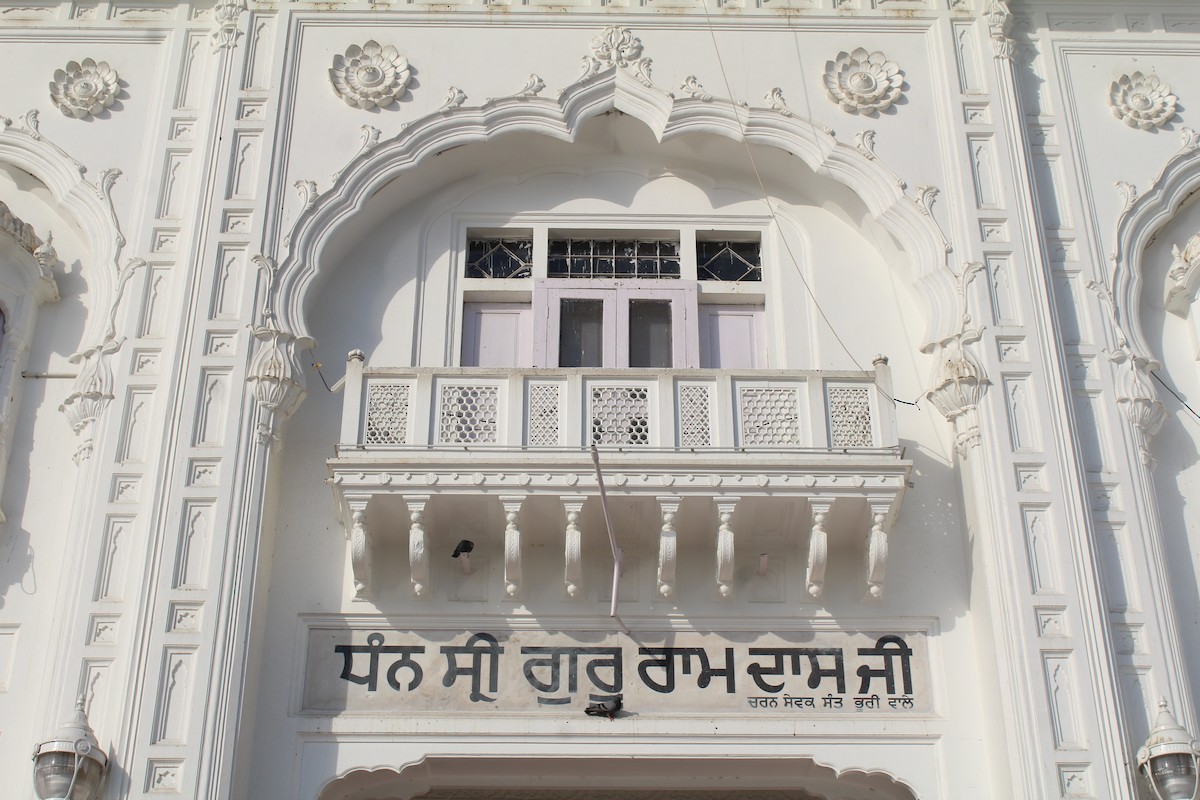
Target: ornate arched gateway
point(438, 441)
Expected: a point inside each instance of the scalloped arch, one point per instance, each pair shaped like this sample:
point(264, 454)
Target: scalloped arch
point(667, 117)
point(1137, 227)
point(740, 776)
point(88, 204)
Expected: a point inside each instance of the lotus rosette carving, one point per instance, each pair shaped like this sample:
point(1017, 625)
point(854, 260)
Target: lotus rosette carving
point(1142, 101)
point(370, 76)
point(83, 90)
point(862, 82)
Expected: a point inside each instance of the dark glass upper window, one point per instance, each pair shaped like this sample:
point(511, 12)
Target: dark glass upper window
point(612, 258)
point(728, 261)
point(499, 258)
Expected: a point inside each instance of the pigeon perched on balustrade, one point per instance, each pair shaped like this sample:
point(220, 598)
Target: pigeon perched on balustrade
point(607, 708)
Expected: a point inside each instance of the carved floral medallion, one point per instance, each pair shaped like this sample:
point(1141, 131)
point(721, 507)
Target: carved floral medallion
point(370, 76)
point(862, 82)
point(1142, 101)
point(83, 90)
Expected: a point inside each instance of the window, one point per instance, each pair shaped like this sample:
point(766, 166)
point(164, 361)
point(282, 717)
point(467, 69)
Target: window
point(597, 323)
point(650, 299)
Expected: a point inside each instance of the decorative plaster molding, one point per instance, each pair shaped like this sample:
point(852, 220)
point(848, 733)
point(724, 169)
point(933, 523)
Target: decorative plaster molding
point(455, 97)
point(21, 231)
point(862, 82)
point(1000, 21)
point(1136, 394)
point(1129, 193)
point(308, 192)
point(1183, 276)
point(692, 88)
point(775, 102)
point(1142, 101)
point(924, 200)
point(959, 380)
point(1137, 227)
point(532, 88)
point(617, 47)
point(370, 76)
point(618, 88)
point(83, 90)
point(368, 137)
point(276, 376)
point(227, 14)
point(91, 393)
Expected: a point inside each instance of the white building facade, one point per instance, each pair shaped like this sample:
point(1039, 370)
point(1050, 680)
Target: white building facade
point(811, 376)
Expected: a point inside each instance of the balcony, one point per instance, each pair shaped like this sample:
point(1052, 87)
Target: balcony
point(731, 437)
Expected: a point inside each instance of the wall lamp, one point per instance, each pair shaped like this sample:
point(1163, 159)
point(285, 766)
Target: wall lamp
point(70, 764)
point(1169, 758)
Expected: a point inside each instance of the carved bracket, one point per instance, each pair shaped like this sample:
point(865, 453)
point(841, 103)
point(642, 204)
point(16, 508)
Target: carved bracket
point(418, 545)
point(818, 546)
point(360, 545)
point(877, 548)
point(667, 552)
point(725, 509)
point(512, 544)
point(573, 545)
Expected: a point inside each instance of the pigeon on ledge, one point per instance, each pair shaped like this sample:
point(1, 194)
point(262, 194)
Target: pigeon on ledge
point(608, 708)
point(465, 546)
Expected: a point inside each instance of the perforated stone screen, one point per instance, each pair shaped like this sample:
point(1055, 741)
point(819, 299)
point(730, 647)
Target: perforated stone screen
point(387, 413)
point(620, 415)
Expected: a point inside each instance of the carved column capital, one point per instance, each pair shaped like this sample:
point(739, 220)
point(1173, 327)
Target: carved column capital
point(276, 376)
point(1138, 398)
point(999, 21)
point(227, 14)
point(91, 393)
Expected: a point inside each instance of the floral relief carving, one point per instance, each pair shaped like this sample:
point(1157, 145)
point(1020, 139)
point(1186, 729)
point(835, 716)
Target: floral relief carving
point(1142, 101)
point(370, 76)
point(617, 47)
point(83, 90)
point(862, 82)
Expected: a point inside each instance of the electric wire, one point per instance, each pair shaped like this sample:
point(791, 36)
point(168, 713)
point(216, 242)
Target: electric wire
point(1176, 395)
point(775, 219)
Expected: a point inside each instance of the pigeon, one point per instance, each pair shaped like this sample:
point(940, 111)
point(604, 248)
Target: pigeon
point(464, 546)
point(607, 708)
